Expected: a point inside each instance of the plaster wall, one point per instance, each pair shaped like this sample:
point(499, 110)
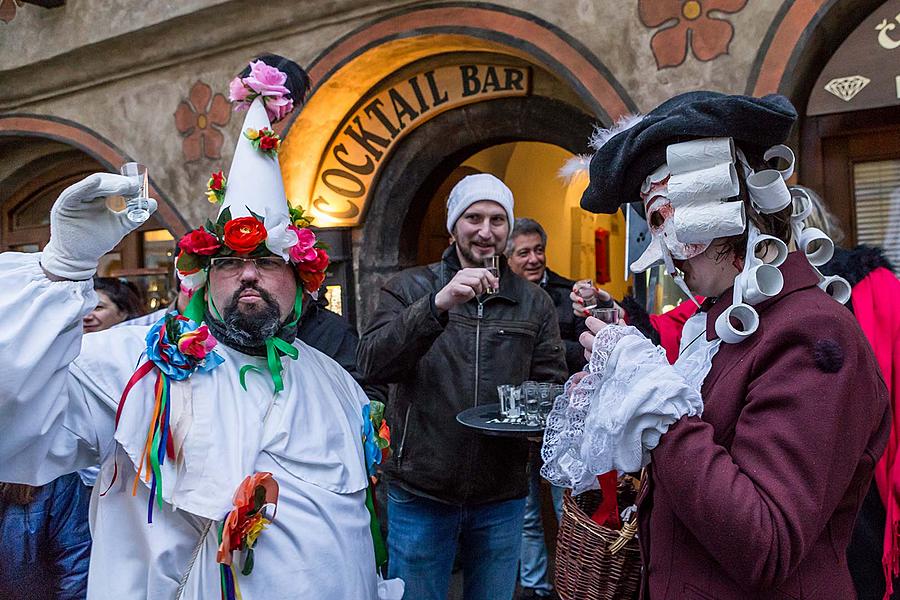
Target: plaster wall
point(121, 67)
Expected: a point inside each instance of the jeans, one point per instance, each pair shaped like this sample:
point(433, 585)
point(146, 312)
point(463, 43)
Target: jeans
point(533, 569)
point(424, 535)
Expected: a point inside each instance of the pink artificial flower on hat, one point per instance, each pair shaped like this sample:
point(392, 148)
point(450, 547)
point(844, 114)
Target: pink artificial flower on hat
point(266, 80)
point(304, 250)
point(238, 92)
point(278, 107)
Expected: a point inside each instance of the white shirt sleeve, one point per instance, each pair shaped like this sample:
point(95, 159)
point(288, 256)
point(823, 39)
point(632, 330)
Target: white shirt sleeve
point(48, 421)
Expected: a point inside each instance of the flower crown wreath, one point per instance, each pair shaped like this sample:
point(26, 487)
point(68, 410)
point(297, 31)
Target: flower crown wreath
point(248, 236)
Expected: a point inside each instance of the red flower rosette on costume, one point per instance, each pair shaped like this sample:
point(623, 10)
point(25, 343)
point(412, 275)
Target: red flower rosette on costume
point(246, 521)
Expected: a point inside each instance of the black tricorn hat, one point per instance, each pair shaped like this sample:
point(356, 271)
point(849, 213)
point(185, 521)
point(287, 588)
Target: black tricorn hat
point(620, 165)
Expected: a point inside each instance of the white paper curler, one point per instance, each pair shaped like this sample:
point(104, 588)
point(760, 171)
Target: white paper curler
point(702, 222)
point(835, 286)
point(768, 191)
point(802, 204)
point(747, 322)
point(786, 154)
point(713, 183)
point(760, 283)
point(765, 243)
point(699, 154)
point(823, 253)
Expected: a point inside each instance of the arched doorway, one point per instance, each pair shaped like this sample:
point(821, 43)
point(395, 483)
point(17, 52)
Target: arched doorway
point(386, 124)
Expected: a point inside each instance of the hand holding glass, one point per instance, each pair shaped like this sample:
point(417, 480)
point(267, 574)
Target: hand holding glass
point(492, 264)
point(586, 291)
point(137, 208)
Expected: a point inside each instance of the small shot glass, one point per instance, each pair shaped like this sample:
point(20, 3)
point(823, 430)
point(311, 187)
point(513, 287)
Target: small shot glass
point(492, 264)
point(138, 207)
point(607, 315)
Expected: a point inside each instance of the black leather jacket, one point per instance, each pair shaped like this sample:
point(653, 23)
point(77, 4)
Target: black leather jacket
point(439, 365)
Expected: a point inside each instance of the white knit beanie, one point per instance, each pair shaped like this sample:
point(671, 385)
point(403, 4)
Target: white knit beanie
point(475, 188)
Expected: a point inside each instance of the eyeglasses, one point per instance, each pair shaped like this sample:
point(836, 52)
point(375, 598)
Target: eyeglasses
point(232, 265)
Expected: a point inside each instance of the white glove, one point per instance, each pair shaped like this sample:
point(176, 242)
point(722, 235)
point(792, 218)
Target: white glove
point(83, 228)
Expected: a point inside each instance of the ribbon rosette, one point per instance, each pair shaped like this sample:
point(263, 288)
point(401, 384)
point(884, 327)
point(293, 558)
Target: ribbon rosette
point(376, 435)
point(176, 347)
point(242, 526)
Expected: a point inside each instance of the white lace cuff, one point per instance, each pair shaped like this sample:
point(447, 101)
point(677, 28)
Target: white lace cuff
point(616, 414)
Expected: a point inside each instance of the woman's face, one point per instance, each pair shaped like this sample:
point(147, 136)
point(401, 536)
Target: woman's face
point(105, 315)
point(710, 273)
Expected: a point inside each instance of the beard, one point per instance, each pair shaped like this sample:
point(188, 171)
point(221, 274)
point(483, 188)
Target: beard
point(469, 256)
point(251, 328)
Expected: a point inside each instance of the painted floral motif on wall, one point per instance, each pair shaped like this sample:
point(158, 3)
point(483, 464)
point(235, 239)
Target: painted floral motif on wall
point(694, 23)
point(198, 119)
point(8, 10)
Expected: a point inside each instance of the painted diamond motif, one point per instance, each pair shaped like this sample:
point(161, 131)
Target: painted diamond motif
point(846, 88)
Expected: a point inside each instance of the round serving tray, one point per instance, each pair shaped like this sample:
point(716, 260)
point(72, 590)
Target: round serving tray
point(480, 417)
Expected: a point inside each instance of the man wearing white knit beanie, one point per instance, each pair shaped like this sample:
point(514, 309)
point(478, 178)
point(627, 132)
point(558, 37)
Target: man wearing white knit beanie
point(445, 344)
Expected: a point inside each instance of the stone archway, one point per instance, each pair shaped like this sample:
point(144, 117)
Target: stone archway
point(387, 242)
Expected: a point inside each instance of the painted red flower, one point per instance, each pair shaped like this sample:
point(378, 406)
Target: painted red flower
point(244, 234)
point(198, 119)
point(267, 144)
point(200, 241)
point(691, 20)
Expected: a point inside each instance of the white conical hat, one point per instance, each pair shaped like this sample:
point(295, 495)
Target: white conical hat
point(255, 185)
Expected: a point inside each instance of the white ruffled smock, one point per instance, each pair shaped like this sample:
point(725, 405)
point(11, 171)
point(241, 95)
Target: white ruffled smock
point(615, 415)
point(58, 399)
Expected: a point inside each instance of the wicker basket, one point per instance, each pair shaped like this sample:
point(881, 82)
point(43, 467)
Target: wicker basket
point(586, 568)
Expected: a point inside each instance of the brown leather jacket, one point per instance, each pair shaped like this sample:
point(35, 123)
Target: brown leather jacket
point(440, 365)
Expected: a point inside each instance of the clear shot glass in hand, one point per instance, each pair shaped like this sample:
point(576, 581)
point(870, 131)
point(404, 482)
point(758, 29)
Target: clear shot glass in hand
point(492, 264)
point(587, 292)
point(607, 315)
point(137, 208)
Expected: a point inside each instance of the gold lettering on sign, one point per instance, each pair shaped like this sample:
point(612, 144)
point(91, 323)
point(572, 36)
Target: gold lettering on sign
point(885, 27)
point(365, 137)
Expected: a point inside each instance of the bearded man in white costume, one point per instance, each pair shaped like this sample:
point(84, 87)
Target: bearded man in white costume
point(198, 441)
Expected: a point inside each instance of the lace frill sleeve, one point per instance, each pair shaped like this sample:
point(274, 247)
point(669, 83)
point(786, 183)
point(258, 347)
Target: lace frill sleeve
point(616, 414)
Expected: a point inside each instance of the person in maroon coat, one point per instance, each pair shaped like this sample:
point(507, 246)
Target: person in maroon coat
point(762, 439)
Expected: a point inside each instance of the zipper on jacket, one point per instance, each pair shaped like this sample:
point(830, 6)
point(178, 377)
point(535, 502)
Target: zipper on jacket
point(403, 439)
point(478, 346)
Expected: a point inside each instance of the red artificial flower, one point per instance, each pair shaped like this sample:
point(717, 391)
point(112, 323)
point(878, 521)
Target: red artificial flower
point(317, 265)
point(216, 181)
point(312, 281)
point(267, 144)
point(244, 234)
point(201, 242)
